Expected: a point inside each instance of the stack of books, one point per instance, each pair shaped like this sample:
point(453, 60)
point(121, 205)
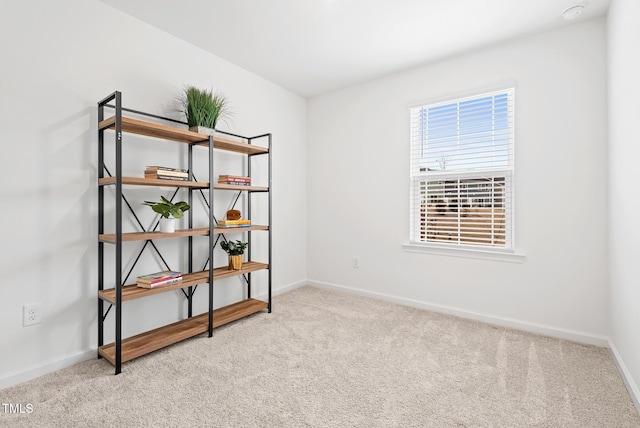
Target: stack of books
point(166, 173)
point(234, 223)
point(159, 279)
point(236, 180)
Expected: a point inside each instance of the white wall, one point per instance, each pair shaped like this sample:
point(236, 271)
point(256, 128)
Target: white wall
point(359, 187)
point(624, 204)
point(59, 59)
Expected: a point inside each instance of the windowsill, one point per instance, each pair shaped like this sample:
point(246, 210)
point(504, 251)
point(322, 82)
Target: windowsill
point(469, 252)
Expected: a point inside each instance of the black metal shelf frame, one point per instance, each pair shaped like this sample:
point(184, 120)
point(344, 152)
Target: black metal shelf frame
point(120, 279)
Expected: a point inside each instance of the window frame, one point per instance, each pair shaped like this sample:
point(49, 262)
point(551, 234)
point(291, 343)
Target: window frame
point(506, 253)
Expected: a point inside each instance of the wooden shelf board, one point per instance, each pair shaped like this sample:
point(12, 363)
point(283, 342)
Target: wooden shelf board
point(224, 272)
point(225, 230)
point(131, 292)
point(159, 338)
point(144, 236)
point(142, 127)
point(200, 231)
point(235, 146)
point(236, 311)
point(153, 340)
point(150, 129)
point(223, 186)
point(137, 181)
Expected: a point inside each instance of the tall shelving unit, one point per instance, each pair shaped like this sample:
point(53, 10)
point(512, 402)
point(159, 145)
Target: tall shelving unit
point(114, 296)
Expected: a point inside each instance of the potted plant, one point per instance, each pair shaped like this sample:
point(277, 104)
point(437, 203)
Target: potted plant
point(235, 251)
point(203, 108)
point(169, 212)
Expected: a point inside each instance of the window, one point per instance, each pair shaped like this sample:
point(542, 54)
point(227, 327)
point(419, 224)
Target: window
point(462, 172)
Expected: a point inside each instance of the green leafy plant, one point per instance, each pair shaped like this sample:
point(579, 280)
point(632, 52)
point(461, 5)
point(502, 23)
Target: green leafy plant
point(203, 107)
point(234, 248)
point(168, 209)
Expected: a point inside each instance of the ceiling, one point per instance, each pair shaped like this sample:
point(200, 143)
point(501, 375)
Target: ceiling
point(315, 46)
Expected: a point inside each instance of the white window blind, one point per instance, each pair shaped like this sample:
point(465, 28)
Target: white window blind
point(462, 167)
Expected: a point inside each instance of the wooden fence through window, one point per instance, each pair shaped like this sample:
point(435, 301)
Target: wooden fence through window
point(466, 225)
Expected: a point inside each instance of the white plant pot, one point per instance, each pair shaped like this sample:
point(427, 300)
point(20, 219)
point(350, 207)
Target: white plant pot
point(202, 130)
point(167, 225)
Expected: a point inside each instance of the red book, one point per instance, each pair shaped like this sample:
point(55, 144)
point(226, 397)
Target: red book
point(160, 283)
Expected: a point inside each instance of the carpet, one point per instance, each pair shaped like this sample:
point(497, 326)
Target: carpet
point(329, 359)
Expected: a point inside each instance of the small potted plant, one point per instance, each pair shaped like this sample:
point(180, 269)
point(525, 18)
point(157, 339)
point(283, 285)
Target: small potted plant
point(169, 212)
point(203, 108)
point(235, 251)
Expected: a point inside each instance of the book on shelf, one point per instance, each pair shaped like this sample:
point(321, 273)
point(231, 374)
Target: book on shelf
point(160, 283)
point(234, 183)
point(171, 172)
point(158, 276)
point(229, 226)
point(165, 168)
point(168, 174)
point(234, 222)
point(165, 177)
point(234, 180)
point(233, 177)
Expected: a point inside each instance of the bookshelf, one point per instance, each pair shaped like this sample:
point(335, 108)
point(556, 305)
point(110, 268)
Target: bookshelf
point(112, 297)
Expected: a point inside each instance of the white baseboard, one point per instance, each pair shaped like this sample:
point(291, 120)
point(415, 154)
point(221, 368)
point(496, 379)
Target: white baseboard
point(283, 289)
point(633, 389)
point(292, 286)
point(18, 377)
point(574, 336)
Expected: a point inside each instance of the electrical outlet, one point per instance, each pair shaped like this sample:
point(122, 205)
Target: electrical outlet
point(356, 262)
point(31, 314)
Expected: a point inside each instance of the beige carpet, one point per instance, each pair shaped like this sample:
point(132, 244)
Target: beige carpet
point(326, 359)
